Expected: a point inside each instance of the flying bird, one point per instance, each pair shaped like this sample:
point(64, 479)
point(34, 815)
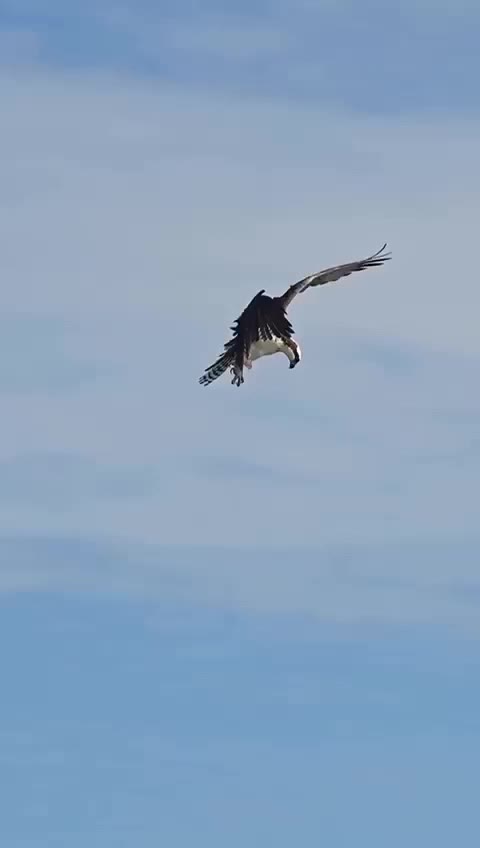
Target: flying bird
point(264, 329)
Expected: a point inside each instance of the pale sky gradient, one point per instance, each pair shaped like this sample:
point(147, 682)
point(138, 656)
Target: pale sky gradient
point(238, 616)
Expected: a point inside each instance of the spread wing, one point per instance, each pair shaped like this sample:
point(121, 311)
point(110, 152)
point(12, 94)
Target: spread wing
point(263, 318)
point(330, 275)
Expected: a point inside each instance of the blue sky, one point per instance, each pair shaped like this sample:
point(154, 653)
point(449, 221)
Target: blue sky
point(238, 616)
point(363, 56)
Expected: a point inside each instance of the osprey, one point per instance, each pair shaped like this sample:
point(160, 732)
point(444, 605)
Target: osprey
point(263, 327)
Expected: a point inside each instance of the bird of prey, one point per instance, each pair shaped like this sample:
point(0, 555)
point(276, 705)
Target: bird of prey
point(263, 327)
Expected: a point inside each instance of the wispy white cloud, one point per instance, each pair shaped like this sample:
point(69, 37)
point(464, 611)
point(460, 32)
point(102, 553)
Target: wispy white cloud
point(427, 584)
point(115, 172)
point(59, 481)
point(137, 220)
point(322, 53)
point(142, 219)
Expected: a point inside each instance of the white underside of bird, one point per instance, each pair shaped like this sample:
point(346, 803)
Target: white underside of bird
point(267, 347)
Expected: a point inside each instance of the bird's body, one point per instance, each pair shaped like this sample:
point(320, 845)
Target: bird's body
point(263, 328)
point(267, 347)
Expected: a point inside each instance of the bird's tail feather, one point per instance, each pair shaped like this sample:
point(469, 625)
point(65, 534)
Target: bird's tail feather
point(216, 370)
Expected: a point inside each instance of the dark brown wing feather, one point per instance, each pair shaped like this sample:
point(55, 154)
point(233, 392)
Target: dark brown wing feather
point(330, 275)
